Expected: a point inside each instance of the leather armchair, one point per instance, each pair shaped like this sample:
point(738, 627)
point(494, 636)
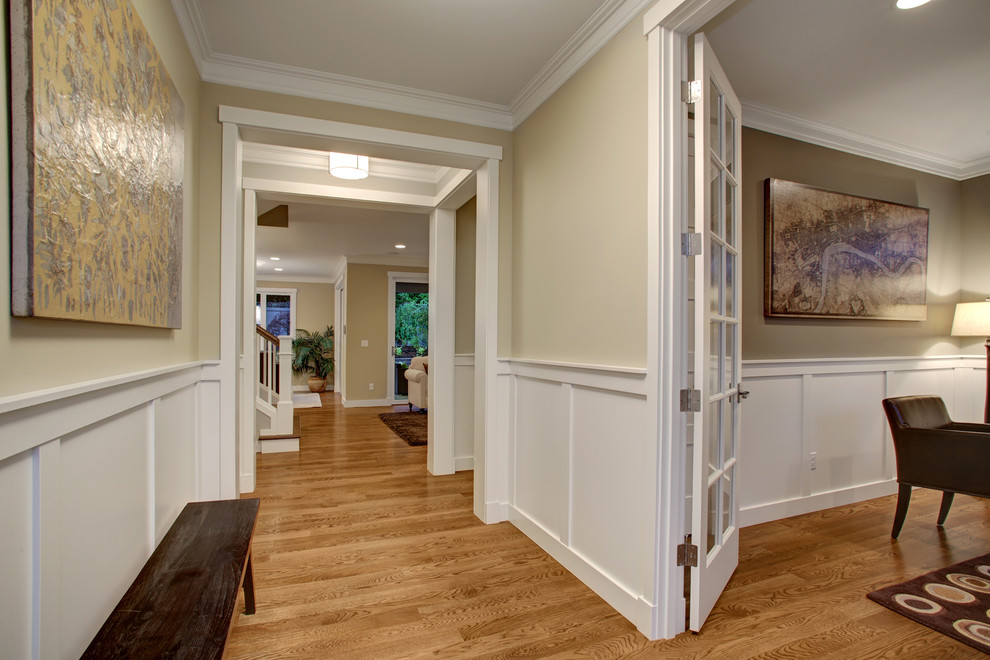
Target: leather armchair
point(419, 382)
point(934, 452)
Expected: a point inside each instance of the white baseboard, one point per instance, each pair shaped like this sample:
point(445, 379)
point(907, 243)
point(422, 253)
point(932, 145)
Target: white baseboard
point(463, 463)
point(366, 403)
point(762, 513)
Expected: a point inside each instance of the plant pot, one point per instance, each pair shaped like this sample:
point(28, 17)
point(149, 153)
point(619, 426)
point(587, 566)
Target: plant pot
point(317, 384)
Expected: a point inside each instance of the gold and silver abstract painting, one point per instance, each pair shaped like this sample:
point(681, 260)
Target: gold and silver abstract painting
point(97, 157)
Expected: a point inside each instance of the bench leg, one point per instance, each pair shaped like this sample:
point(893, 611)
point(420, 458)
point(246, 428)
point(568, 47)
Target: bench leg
point(903, 499)
point(249, 587)
point(943, 511)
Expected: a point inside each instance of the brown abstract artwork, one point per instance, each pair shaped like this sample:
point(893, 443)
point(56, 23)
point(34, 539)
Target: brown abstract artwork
point(97, 166)
point(833, 255)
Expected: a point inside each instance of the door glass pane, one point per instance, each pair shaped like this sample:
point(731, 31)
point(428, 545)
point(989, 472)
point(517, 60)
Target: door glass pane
point(277, 314)
point(730, 192)
point(715, 185)
point(714, 370)
point(714, 129)
point(730, 353)
point(730, 139)
point(714, 284)
point(726, 504)
point(714, 451)
point(728, 428)
point(730, 284)
point(713, 518)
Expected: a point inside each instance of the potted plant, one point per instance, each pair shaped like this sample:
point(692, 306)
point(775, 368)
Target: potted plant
point(312, 352)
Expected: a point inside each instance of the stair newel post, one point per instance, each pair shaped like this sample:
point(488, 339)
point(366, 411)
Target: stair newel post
point(284, 384)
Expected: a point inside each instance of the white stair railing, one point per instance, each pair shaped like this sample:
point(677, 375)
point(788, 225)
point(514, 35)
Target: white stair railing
point(274, 390)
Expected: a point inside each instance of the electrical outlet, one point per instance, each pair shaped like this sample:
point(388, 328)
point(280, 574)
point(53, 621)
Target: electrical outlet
point(371, 387)
point(814, 460)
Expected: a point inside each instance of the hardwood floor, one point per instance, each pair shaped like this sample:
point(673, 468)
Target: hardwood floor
point(359, 553)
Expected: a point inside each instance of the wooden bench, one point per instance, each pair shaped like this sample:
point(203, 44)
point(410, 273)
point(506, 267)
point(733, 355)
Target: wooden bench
point(181, 605)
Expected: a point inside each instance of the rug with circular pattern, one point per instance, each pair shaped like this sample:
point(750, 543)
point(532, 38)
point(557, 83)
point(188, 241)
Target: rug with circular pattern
point(955, 601)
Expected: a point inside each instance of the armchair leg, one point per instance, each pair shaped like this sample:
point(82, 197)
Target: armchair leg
point(903, 499)
point(943, 511)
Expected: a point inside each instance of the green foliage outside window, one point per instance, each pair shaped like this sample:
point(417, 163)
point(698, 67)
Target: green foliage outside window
point(411, 322)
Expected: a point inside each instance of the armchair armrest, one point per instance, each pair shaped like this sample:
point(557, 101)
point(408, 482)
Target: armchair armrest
point(415, 375)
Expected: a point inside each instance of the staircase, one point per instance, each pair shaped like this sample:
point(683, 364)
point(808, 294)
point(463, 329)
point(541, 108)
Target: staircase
point(273, 397)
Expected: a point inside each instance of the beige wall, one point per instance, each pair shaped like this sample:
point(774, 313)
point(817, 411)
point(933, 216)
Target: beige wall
point(38, 353)
point(209, 237)
point(766, 155)
point(579, 215)
point(367, 318)
point(976, 244)
point(464, 278)
point(314, 308)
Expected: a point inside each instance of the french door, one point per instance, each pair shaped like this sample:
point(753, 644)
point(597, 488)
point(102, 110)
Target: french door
point(717, 330)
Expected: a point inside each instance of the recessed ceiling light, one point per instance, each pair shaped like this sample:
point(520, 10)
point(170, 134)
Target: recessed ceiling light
point(400, 246)
point(910, 4)
point(275, 258)
point(279, 269)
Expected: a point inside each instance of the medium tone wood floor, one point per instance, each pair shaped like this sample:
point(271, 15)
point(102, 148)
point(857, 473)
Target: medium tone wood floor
point(359, 553)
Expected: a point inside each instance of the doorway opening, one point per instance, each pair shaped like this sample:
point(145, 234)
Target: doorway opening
point(409, 329)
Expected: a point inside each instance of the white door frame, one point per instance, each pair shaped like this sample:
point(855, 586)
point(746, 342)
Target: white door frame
point(490, 456)
point(668, 25)
point(393, 278)
point(339, 333)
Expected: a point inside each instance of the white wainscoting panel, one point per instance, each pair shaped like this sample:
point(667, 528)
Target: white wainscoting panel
point(542, 454)
point(463, 412)
point(105, 522)
point(833, 407)
point(608, 434)
point(91, 476)
point(577, 438)
point(16, 569)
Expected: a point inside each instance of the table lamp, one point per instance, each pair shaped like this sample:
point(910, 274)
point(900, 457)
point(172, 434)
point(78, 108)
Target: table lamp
point(973, 320)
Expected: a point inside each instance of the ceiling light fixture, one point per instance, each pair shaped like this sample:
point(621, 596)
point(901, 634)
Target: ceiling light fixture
point(348, 166)
point(279, 270)
point(400, 246)
point(910, 4)
point(275, 258)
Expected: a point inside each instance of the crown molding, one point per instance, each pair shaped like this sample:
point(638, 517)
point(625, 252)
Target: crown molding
point(288, 279)
point(213, 67)
point(775, 121)
point(604, 24)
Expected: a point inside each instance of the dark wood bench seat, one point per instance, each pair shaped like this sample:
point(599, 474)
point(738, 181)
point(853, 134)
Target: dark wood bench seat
point(181, 605)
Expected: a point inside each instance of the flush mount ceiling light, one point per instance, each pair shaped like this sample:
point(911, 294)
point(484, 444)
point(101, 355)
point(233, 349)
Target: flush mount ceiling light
point(348, 166)
point(400, 246)
point(910, 4)
point(275, 258)
point(279, 270)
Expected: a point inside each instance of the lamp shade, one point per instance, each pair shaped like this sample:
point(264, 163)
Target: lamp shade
point(972, 320)
point(348, 166)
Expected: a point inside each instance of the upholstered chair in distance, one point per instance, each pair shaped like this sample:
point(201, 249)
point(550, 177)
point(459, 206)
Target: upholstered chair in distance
point(934, 452)
point(419, 382)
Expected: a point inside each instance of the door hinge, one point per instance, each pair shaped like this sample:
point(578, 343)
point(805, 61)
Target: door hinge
point(687, 555)
point(691, 91)
point(691, 244)
point(690, 400)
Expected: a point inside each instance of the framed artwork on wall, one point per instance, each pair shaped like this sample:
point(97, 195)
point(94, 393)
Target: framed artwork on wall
point(832, 255)
point(97, 166)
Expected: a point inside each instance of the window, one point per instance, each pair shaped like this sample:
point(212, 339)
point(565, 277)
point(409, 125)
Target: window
point(276, 311)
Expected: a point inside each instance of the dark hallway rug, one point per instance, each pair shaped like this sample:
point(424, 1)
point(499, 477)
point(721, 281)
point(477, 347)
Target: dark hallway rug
point(410, 426)
point(954, 601)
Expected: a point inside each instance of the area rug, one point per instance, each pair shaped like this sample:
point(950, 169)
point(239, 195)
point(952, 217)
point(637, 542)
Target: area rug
point(306, 400)
point(954, 601)
point(410, 426)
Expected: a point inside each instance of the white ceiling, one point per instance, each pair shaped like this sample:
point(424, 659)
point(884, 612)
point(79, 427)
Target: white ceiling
point(908, 87)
